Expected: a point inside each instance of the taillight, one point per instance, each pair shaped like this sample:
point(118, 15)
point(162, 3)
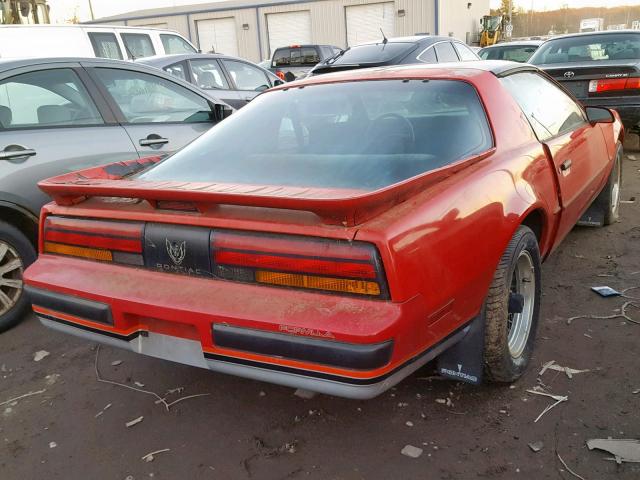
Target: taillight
point(119, 242)
point(612, 84)
point(313, 264)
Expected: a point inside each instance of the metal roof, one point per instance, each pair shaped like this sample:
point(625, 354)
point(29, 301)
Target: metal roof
point(197, 8)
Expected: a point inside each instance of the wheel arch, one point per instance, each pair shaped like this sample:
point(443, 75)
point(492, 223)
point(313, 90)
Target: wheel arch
point(536, 219)
point(22, 219)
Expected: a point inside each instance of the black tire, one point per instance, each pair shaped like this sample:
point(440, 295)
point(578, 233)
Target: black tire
point(502, 364)
point(609, 199)
point(13, 246)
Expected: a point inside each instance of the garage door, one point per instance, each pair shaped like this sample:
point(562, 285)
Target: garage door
point(291, 28)
point(365, 21)
point(218, 35)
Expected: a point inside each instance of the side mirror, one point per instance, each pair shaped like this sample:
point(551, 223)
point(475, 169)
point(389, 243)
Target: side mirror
point(262, 88)
point(277, 82)
point(221, 111)
point(599, 115)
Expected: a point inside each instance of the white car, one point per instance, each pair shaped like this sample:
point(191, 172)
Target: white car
point(119, 43)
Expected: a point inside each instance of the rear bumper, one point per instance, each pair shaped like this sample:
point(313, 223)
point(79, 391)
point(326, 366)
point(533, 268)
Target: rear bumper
point(189, 352)
point(342, 346)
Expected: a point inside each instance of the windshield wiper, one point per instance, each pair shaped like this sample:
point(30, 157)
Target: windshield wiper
point(129, 52)
point(330, 61)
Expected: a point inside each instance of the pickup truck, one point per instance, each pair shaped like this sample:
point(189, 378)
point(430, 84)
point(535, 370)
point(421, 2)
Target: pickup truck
point(295, 61)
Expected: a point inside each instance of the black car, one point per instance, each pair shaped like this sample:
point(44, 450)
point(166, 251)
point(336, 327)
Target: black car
point(599, 68)
point(398, 51)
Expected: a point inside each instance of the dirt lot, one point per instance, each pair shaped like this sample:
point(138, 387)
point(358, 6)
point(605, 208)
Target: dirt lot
point(245, 429)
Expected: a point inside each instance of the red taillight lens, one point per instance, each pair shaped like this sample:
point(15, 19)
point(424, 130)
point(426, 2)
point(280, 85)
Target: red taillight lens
point(315, 264)
point(119, 242)
point(612, 84)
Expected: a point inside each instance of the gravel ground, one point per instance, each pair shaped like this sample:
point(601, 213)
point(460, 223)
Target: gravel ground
point(246, 429)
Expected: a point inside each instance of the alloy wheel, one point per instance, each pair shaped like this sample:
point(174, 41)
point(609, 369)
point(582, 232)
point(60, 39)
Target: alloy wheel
point(11, 270)
point(523, 285)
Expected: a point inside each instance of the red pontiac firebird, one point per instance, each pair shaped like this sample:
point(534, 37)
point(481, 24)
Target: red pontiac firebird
point(339, 232)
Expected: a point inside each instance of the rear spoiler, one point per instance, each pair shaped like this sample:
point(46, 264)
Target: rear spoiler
point(333, 206)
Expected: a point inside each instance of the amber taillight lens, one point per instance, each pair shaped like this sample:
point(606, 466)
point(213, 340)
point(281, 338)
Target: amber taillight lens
point(107, 241)
point(299, 262)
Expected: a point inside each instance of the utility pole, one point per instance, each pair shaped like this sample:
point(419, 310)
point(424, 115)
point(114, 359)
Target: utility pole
point(91, 10)
point(509, 26)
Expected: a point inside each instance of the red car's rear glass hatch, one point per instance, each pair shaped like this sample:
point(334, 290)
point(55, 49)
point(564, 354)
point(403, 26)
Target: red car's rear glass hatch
point(344, 151)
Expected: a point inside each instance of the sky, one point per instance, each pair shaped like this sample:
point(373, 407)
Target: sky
point(62, 10)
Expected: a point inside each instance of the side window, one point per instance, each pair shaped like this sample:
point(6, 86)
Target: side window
point(207, 74)
point(175, 44)
point(557, 114)
point(145, 98)
point(282, 57)
point(105, 45)
point(245, 76)
point(428, 56)
point(46, 98)
point(445, 52)
point(178, 70)
point(138, 45)
point(465, 53)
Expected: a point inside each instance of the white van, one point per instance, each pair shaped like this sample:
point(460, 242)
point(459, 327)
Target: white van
point(19, 41)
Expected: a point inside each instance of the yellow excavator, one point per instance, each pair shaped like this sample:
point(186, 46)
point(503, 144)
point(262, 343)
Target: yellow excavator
point(23, 12)
point(492, 30)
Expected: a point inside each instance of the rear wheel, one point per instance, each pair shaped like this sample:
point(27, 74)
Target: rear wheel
point(16, 254)
point(609, 199)
point(512, 309)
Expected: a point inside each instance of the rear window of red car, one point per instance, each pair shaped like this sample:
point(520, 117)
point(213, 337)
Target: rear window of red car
point(358, 135)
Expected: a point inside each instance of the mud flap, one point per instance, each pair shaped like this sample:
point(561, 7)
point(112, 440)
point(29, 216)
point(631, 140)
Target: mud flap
point(593, 217)
point(464, 361)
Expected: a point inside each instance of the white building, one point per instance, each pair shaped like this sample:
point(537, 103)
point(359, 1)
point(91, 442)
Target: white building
point(253, 29)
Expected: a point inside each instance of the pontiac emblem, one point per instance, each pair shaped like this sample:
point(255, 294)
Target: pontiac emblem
point(176, 251)
point(569, 74)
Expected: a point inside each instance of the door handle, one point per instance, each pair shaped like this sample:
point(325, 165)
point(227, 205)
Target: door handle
point(566, 165)
point(152, 139)
point(16, 151)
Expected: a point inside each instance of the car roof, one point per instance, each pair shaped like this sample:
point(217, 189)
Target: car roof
point(11, 63)
point(88, 26)
point(163, 60)
point(586, 34)
point(301, 45)
point(420, 39)
point(517, 43)
point(454, 70)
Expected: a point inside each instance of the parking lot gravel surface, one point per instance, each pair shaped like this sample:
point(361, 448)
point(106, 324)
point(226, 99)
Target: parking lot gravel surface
point(73, 426)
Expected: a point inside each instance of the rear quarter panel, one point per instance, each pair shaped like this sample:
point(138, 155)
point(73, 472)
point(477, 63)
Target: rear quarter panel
point(444, 244)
